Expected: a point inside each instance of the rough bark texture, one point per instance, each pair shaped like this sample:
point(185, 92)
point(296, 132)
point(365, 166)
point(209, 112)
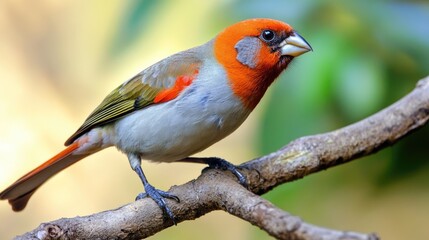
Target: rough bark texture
point(217, 190)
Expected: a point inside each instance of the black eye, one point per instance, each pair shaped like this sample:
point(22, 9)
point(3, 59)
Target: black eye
point(268, 35)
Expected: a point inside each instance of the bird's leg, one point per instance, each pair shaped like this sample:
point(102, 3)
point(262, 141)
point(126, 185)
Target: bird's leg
point(219, 163)
point(156, 194)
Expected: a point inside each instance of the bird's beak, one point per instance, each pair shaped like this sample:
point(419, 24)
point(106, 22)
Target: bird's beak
point(294, 45)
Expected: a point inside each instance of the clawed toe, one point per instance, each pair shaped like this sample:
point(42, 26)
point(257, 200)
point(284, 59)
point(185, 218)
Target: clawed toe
point(141, 196)
point(159, 197)
point(222, 164)
point(219, 163)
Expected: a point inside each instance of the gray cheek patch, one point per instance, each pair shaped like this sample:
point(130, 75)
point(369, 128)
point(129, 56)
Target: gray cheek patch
point(247, 50)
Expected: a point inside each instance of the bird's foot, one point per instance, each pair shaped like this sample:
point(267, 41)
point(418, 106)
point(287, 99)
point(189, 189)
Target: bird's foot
point(222, 164)
point(219, 163)
point(159, 197)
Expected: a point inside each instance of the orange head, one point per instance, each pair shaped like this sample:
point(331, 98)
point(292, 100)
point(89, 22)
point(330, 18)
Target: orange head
point(254, 52)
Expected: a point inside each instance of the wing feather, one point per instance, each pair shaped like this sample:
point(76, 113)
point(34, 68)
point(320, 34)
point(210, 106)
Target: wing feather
point(140, 91)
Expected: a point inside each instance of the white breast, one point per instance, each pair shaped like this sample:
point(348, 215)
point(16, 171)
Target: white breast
point(204, 113)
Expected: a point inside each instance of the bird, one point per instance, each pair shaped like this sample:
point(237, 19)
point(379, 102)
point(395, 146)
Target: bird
point(179, 106)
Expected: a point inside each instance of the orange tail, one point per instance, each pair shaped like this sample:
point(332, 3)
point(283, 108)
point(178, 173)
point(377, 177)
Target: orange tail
point(20, 191)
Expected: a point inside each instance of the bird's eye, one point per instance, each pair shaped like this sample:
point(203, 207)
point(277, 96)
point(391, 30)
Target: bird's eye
point(268, 35)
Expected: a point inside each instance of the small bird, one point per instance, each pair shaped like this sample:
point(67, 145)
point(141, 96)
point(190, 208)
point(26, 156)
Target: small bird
point(179, 106)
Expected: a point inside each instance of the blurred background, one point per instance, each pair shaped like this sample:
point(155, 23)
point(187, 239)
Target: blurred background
point(59, 59)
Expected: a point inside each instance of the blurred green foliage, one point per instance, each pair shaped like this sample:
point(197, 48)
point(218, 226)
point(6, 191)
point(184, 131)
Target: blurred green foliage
point(138, 17)
point(366, 55)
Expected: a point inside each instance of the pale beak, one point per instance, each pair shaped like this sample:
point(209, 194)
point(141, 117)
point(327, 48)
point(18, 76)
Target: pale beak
point(294, 45)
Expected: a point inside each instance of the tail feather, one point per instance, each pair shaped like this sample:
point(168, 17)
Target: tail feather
point(19, 203)
point(20, 191)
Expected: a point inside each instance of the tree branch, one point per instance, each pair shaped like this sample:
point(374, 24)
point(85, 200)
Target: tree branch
point(213, 191)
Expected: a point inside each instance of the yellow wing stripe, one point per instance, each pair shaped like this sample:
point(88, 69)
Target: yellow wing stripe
point(117, 105)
